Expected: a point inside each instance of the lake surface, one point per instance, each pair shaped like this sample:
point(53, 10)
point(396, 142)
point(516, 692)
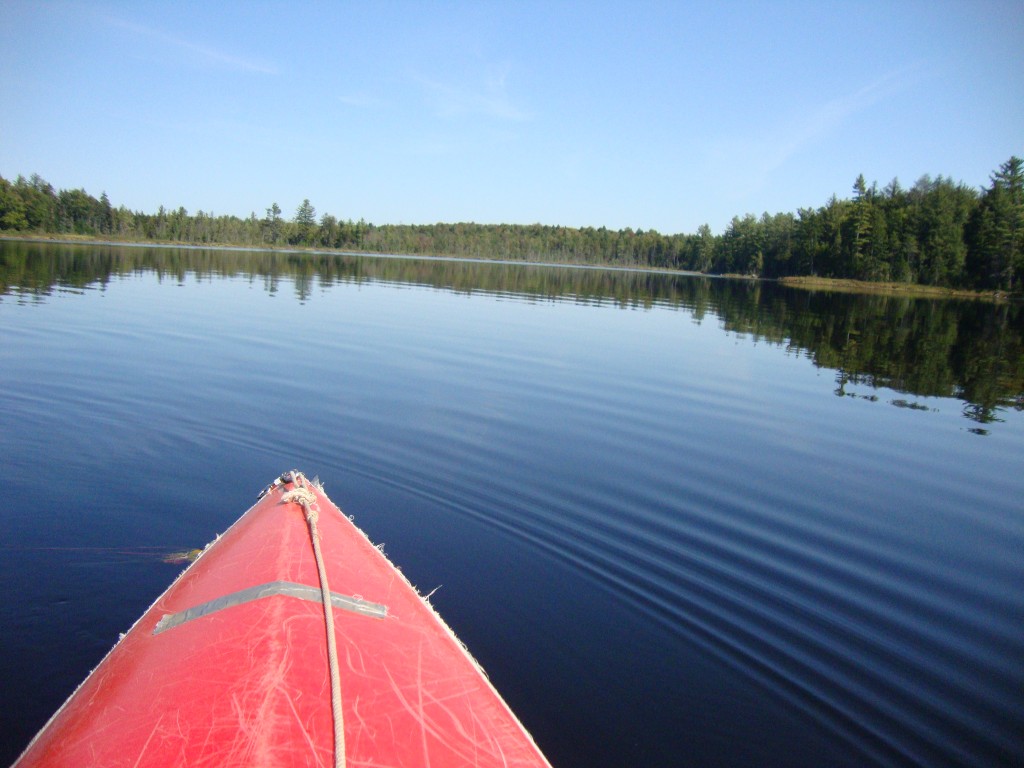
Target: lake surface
point(679, 521)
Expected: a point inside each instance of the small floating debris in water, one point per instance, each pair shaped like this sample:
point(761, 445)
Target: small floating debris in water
point(179, 558)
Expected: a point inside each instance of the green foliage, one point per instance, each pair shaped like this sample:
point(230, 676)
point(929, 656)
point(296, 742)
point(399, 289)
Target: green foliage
point(936, 233)
point(305, 224)
point(272, 225)
point(12, 208)
point(997, 225)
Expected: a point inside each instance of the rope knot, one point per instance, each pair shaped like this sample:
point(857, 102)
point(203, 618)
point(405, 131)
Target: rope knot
point(301, 496)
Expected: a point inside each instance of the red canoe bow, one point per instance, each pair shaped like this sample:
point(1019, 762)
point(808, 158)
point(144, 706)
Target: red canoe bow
point(229, 667)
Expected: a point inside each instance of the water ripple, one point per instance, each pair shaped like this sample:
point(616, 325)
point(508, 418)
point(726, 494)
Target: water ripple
point(859, 565)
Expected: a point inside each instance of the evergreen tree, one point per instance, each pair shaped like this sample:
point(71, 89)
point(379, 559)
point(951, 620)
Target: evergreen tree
point(705, 250)
point(272, 224)
point(305, 222)
point(997, 236)
point(860, 265)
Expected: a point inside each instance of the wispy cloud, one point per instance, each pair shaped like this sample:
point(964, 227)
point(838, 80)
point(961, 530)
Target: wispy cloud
point(838, 111)
point(212, 55)
point(487, 98)
point(361, 101)
point(762, 154)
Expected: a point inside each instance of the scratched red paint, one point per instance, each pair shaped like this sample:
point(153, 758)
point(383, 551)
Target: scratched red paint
point(249, 686)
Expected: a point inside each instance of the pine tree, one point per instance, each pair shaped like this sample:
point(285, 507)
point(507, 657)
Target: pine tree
point(861, 224)
point(997, 240)
point(305, 221)
point(272, 224)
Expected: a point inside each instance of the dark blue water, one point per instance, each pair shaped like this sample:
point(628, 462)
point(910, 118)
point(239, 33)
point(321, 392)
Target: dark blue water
point(679, 521)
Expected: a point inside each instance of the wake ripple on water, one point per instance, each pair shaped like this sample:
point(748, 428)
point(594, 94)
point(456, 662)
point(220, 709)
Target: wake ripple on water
point(881, 645)
point(854, 565)
point(773, 559)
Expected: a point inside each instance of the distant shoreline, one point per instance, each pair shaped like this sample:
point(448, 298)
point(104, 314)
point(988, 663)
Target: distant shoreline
point(807, 283)
point(910, 290)
point(292, 249)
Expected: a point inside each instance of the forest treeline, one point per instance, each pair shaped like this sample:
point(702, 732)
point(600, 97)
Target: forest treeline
point(937, 232)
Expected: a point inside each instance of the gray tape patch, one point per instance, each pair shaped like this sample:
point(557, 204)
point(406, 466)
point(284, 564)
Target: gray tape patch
point(286, 588)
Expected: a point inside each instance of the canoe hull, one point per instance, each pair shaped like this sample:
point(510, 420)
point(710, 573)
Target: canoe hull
point(229, 666)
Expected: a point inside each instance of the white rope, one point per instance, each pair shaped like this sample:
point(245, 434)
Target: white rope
point(305, 498)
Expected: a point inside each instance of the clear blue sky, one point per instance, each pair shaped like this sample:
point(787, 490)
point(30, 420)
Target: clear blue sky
point(648, 115)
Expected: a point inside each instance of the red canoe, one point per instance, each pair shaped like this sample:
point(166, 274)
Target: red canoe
point(231, 665)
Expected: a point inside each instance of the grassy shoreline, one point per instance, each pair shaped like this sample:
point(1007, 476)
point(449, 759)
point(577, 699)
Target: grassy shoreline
point(808, 283)
point(909, 290)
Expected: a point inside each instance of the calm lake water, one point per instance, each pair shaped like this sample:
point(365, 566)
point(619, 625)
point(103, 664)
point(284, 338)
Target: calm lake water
point(680, 521)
